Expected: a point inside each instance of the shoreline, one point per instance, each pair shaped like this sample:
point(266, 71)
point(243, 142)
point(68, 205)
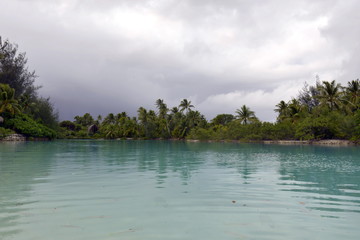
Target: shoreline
point(324, 142)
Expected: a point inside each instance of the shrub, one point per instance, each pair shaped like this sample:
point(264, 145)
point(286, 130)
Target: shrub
point(200, 134)
point(5, 132)
point(27, 126)
point(324, 127)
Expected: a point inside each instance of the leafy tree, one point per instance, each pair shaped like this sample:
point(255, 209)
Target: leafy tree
point(68, 125)
point(43, 111)
point(308, 96)
point(13, 70)
point(222, 119)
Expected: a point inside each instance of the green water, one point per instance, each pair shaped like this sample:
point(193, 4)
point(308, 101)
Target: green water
point(158, 190)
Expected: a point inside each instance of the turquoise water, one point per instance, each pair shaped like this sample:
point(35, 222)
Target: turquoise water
point(158, 190)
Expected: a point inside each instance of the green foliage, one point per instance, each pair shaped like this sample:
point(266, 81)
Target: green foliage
point(13, 70)
point(323, 127)
point(43, 111)
point(245, 115)
point(222, 119)
point(68, 125)
point(5, 132)
point(85, 120)
point(23, 96)
point(200, 134)
point(7, 102)
point(24, 124)
point(356, 129)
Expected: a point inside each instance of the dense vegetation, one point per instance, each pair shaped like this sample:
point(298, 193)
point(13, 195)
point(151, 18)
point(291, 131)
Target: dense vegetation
point(22, 110)
point(324, 111)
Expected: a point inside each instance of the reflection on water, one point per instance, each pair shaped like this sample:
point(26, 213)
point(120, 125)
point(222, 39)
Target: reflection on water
point(156, 189)
point(328, 177)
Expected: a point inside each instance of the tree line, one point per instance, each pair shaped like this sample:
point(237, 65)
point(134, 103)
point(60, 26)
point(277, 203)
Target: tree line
point(326, 110)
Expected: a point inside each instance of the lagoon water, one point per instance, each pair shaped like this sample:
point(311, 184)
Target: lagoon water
point(157, 190)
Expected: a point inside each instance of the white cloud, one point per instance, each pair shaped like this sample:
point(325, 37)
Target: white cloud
point(260, 101)
point(220, 54)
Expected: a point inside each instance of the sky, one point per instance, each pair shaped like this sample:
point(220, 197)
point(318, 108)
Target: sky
point(113, 56)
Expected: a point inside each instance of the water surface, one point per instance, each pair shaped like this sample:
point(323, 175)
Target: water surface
point(158, 190)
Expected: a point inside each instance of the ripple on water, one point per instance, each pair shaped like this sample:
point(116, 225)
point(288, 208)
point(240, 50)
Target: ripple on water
point(153, 190)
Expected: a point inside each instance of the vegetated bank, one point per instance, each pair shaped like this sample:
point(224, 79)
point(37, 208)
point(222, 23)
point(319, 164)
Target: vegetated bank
point(22, 110)
point(325, 111)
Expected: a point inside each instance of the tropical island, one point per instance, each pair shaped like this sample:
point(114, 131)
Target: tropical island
point(326, 110)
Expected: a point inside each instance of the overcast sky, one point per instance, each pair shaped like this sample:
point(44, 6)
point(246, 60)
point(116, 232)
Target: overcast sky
point(102, 56)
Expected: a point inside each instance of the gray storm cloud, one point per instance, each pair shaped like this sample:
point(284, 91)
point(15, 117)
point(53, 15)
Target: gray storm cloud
point(105, 56)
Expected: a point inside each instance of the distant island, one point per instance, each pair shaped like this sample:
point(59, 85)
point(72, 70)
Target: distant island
point(327, 110)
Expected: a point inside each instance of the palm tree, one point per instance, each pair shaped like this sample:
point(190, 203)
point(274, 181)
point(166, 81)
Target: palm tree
point(245, 115)
point(8, 103)
point(26, 102)
point(142, 115)
point(162, 108)
point(353, 93)
point(147, 121)
point(330, 94)
point(283, 109)
point(174, 110)
point(109, 119)
point(164, 119)
point(185, 105)
point(194, 118)
point(294, 110)
point(98, 120)
point(111, 131)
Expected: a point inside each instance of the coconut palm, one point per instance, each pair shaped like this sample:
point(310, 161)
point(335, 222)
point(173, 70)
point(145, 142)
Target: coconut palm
point(109, 119)
point(353, 93)
point(111, 131)
point(162, 108)
point(8, 103)
point(164, 119)
point(174, 110)
point(195, 118)
point(294, 111)
point(245, 115)
point(283, 109)
point(147, 122)
point(185, 105)
point(26, 102)
point(330, 93)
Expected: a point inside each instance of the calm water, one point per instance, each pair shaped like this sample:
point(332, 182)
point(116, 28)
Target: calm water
point(158, 190)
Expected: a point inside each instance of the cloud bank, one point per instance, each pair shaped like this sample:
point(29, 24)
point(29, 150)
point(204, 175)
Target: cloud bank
point(113, 56)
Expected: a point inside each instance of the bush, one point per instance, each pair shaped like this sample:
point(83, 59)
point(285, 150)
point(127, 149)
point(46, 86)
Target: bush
point(5, 132)
point(324, 127)
point(200, 134)
point(27, 126)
